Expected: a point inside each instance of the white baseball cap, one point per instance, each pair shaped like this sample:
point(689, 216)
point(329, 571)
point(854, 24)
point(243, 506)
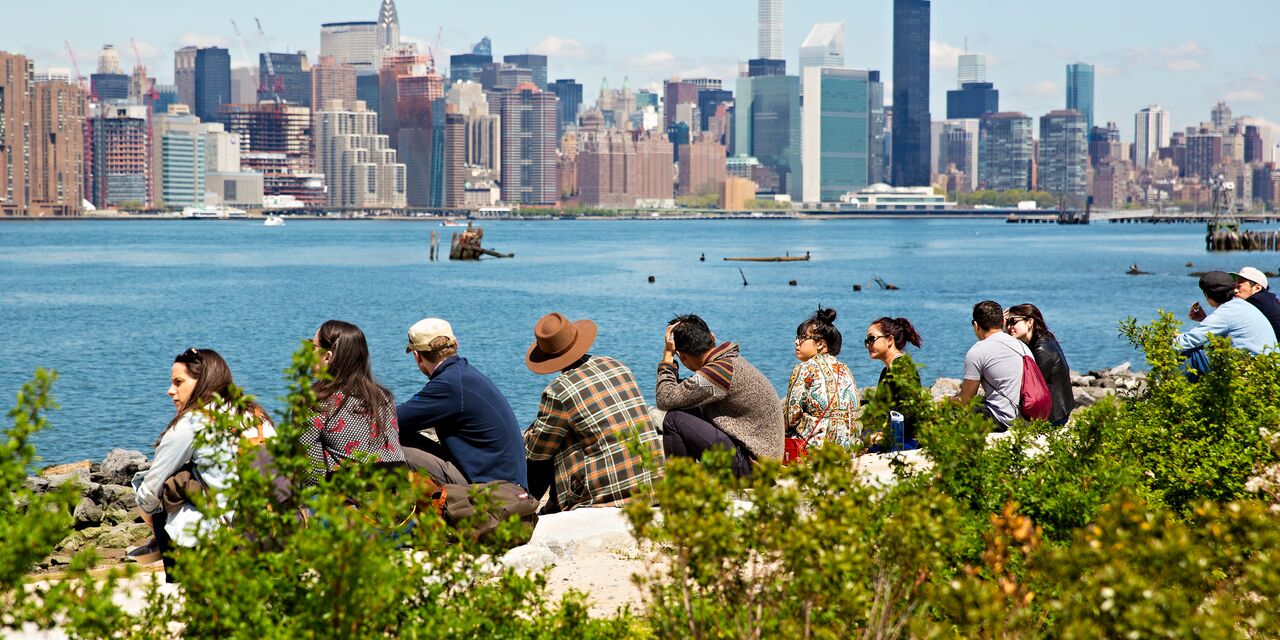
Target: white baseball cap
point(1252, 275)
point(425, 331)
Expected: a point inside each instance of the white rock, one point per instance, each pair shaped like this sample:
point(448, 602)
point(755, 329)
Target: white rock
point(945, 388)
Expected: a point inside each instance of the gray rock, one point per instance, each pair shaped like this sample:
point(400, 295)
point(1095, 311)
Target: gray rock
point(79, 477)
point(36, 484)
point(1107, 383)
point(120, 465)
point(114, 496)
point(1121, 370)
point(1082, 381)
point(115, 517)
point(945, 387)
point(87, 514)
point(124, 536)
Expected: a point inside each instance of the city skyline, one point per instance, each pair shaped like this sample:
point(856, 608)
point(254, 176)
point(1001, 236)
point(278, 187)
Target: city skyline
point(1184, 70)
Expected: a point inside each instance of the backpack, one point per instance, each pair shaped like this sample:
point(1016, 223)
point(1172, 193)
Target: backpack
point(460, 506)
point(1035, 403)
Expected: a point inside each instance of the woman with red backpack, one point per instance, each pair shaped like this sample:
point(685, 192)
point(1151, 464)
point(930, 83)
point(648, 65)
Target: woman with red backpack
point(1025, 323)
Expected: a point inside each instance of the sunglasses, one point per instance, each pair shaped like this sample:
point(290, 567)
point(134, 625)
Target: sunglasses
point(871, 339)
point(1014, 320)
point(802, 339)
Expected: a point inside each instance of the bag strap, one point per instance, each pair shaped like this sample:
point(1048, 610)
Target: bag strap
point(1017, 404)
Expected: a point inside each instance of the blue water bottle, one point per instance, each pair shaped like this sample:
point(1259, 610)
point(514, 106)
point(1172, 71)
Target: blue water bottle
point(897, 424)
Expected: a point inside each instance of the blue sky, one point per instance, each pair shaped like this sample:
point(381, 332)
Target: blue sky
point(1177, 53)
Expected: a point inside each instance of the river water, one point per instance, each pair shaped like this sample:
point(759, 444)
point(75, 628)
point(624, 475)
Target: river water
point(109, 303)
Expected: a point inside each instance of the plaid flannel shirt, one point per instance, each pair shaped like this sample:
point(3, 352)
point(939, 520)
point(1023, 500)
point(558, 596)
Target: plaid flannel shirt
point(583, 423)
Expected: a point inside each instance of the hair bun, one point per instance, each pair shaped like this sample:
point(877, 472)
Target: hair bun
point(826, 316)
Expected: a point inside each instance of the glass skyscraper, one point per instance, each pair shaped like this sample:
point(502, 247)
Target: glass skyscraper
point(569, 93)
point(836, 132)
point(972, 100)
point(767, 126)
point(213, 83)
point(1080, 90)
point(911, 118)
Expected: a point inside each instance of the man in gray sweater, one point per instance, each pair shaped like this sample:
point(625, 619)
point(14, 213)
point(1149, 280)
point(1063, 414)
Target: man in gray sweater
point(726, 403)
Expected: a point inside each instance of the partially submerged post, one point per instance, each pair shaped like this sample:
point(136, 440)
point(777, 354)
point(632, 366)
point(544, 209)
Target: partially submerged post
point(466, 245)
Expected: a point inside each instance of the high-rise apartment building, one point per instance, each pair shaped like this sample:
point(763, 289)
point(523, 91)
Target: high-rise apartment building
point(1104, 143)
point(972, 67)
point(359, 164)
point(353, 43)
point(536, 64)
point(288, 78)
point(606, 164)
point(1064, 155)
point(276, 141)
point(836, 132)
point(823, 47)
point(16, 75)
point(184, 75)
point(455, 160)
point(569, 94)
point(770, 29)
point(1006, 145)
point(529, 146)
point(655, 172)
point(911, 117)
point(1151, 133)
point(57, 148)
point(702, 168)
point(213, 83)
point(1204, 153)
point(118, 156)
point(332, 80)
point(1080, 78)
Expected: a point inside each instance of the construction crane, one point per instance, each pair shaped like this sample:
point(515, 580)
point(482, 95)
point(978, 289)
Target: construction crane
point(271, 72)
point(150, 89)
point(432, 51)
point(76, 65)
point(244, 51)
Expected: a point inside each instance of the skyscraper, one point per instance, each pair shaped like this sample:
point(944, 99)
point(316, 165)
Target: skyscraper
point(244, 85)
point(119, 158)
point(388, 26)
point(770, 35)
point(358, 163)
point(708, 101)
point(767, 126)
point(16, 74)
point(184, 75)
point(291, 79)
point(464, 67)
point(1080, 90)
point(972, 68)
point(569, 93)
point(1064, 155)
point(824, 46)
point(483, 48)
point(109, 83)
point(537, 64)
point(529, 146)
point(1005, 151)
point(353, 43)
point(955, 143)
point(213, 83)
point(1151, 133)
point(1221, 116)
point(331, 80)
point(57, 149)
point(836, 132)
point(972, 100)
point(911, 116)
point(676, 93)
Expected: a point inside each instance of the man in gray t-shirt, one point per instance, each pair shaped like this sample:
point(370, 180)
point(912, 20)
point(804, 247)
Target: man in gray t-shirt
point(995, 362)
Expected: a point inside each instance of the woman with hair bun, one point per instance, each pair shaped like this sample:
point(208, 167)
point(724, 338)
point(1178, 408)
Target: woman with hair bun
point(899, 386)
point(822, 399)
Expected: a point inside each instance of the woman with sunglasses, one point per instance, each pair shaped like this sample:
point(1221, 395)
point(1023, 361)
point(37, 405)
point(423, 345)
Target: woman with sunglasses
point(899, 386)
point(1025, 323)
point(822, 399)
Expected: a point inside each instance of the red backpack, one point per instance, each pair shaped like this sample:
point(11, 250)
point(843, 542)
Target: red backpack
point(1035, 403)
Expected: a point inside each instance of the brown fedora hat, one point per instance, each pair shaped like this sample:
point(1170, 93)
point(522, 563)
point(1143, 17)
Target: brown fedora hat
point(557, 343)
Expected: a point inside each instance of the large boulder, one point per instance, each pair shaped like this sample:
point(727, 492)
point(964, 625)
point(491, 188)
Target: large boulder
point(87, 514)
point(114, 496)
point(120, 465)
point(124, 536)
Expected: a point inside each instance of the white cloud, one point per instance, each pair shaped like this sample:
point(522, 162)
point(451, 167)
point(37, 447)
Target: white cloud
point(1044, 89)
point(1244, 95)
point(659, 61)
point(190, 39)
point(943, 55)
point(560, 48)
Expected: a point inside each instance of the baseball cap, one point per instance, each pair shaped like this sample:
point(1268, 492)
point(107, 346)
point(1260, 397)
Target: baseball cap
point(425, 331)
point(1252, 275)
point(1219, 282)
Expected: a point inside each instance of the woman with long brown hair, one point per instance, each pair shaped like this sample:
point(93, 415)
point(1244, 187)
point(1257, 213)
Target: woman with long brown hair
point(899, 384)
point(1026, 323)
point(355, 420)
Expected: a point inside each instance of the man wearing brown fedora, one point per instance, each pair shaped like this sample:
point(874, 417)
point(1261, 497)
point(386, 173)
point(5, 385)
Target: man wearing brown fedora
point(577, 446)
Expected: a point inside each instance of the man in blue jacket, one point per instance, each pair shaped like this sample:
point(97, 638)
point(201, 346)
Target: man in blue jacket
point(479, 439)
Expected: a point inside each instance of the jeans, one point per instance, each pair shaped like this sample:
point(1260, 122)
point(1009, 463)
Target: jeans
point(685, 435)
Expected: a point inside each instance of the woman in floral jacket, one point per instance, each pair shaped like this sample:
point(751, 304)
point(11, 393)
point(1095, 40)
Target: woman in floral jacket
point(822, 398)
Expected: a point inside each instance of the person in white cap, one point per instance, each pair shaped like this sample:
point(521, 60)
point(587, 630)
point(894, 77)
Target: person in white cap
point(1251, 285)
point(479, 439)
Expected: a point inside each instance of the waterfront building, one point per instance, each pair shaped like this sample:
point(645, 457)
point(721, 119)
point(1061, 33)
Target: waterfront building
point(675, 93)
point(212, 83)
point(836, 132)
point(291, 80)
point(244, 85)
point(1151, 133)
point(353, 43)
point(332, 80)
point(767, 127)
point(1005, 152)
point(536, 64)
point(1064, 155)
point(569, 94)
point(607, 173)
point(737, 194)
point(178, 167)
point(887, 199)
point(972, 67)
point(118, 156)
point(823, 47)
point(57, 117)
point(273, 129)
point(702, 168)
point(954, 143)
point(655, 172)
point(529, 168)
point(16, 75)
point(911, 117)
point(770, 29)
point(1080, 78)
point(972, 101)
point(240, 189)
point(466, 67)
point(358, 163)
point(184, 75)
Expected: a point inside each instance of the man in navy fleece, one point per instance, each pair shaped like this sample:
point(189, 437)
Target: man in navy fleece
point(479, 439)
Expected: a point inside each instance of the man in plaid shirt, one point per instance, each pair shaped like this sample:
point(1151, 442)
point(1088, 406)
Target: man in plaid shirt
point(577, 446)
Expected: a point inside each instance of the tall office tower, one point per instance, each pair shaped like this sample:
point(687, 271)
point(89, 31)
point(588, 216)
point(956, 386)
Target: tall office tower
point(455, 160)
point(482, 146)
point(705, 83)
point(1064, 154)
point(569, 92)
point(57, 117)
point(184, 75)
point(823, 47)
point(702, 168)
point(835, 144)
point(1005, 151)
point(767, 127)
point(244, 85)
point(332, 80)
point(466, 67)
point(213, 83)
point(501, 76)
point(955, 143)
point(655, 173)
point(353, 43)
point(529, 146)
point(877, 158)
point(708, 101)
point(972, 68)
point(484, 47)
point(1104, 143)
point(359, 164)
point(1080, 90)
point(1221, 116)
point(393, 68)
point(770, 26)
point(972, 100)
point(1151, 133)
point(109, 83)
point(676, 93)
point(16, 75)
point(537, 64)
point(911, 117)
point(180, 166)
point(1254, 144)
point(1204, 153)
point(166, 94)
point(388, 26)
point(288, 78)
point(607, 170)
point(118, 156)
point(761, 67)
